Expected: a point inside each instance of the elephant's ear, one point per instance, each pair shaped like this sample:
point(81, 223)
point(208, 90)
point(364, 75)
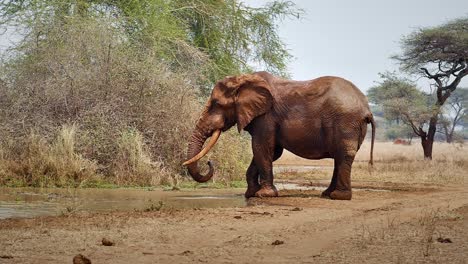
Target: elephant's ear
point(253, 99)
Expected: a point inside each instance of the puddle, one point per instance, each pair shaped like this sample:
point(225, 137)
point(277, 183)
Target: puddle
point(31, 202)
point(295, 186)
point(298, 168)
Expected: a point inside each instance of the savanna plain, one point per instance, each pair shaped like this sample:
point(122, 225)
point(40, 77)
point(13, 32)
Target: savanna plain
point(404, 210)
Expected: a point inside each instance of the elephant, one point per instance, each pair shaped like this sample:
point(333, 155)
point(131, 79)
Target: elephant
point(326, 117)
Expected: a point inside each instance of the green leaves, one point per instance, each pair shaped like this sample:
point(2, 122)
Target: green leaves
point(400, 99)
point(233, 35)
point(236, 36)
point(435, 46)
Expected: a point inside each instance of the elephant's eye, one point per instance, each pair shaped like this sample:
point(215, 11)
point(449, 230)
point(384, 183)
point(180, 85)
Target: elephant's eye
point(214, 104)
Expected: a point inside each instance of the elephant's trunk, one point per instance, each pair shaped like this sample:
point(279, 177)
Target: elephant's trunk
point(195, 152)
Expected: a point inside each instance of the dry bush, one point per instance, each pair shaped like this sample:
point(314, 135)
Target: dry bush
point(39, 163)
point(232, 154)
point(87, 73)
point(133, 164)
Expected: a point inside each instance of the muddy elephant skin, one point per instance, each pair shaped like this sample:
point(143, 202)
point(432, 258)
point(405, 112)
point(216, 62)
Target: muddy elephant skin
point(322, 118)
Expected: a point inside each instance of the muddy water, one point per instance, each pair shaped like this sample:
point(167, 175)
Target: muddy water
point(30, 202)
point(299, 168)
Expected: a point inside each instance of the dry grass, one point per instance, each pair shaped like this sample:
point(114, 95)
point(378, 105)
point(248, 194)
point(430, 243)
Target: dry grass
point(134, 165)
point(417, 241)
point(394, 163)
point(39, 163)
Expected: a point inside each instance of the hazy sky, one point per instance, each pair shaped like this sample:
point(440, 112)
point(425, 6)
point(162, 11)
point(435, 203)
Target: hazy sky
point(354, 39)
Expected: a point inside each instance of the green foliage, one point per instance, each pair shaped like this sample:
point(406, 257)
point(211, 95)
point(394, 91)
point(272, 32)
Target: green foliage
point(441, 55)
point(435, 46)
point(232, 34)
point(400, 99)
point(399, 131)
point(235, 35)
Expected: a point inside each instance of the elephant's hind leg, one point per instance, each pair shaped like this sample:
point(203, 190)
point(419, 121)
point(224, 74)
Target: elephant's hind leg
point(252, 180)
point(343, 163)
point(332, 187)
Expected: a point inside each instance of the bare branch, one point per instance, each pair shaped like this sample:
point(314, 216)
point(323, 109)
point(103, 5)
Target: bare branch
point(417, 130)
point(435, 77)
point(457, 80)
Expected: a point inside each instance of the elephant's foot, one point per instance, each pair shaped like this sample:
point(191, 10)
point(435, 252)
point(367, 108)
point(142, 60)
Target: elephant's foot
point(326, 193)
point(251, 191)
point(267, 191)
point(340, 195)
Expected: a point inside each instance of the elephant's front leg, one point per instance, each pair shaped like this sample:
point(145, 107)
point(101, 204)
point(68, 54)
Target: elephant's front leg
point(252, 180)
point(263, 151)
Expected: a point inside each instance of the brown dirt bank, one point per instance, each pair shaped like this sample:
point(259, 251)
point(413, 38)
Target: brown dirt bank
point(401, 225)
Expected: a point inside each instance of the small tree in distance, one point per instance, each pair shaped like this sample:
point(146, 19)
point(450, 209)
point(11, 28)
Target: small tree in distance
point(441, 55)
point(402, 102)
point(454, 113)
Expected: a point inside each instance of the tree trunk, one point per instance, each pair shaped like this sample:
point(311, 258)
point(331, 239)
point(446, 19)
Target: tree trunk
point(427, 140)
point(427, 147)
point(449, 137)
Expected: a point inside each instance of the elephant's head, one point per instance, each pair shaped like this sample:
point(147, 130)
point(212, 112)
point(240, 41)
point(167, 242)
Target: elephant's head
point(234, 100)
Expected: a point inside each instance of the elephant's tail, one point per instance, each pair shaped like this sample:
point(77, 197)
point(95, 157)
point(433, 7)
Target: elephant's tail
point(370, 120)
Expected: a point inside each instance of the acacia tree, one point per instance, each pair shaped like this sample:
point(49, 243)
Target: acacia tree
point(454, 113)
point(441, 55)
point(401, 101)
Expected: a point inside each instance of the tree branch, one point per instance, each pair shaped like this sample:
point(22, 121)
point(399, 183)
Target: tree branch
point(417, 130)
point(458, 78)
point(435, 77)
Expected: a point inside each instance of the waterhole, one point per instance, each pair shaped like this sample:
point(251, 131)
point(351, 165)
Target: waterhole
point(31, 202)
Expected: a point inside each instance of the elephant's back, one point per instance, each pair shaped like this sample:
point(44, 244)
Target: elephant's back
point(339, 95)
point(321, 110)
point(327, 97)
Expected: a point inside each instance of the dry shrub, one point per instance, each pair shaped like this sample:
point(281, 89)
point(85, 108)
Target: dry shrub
point(133, 107)
point(39, 163)
point(133, 164)
point(232, 154)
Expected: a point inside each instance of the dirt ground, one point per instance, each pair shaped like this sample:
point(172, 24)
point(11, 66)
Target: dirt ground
point(404, 224)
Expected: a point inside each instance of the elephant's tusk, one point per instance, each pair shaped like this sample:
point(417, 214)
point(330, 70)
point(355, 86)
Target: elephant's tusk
point(203, 152)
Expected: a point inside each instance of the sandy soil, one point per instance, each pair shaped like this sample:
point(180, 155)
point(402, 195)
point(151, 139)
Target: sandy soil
point(407, 224)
